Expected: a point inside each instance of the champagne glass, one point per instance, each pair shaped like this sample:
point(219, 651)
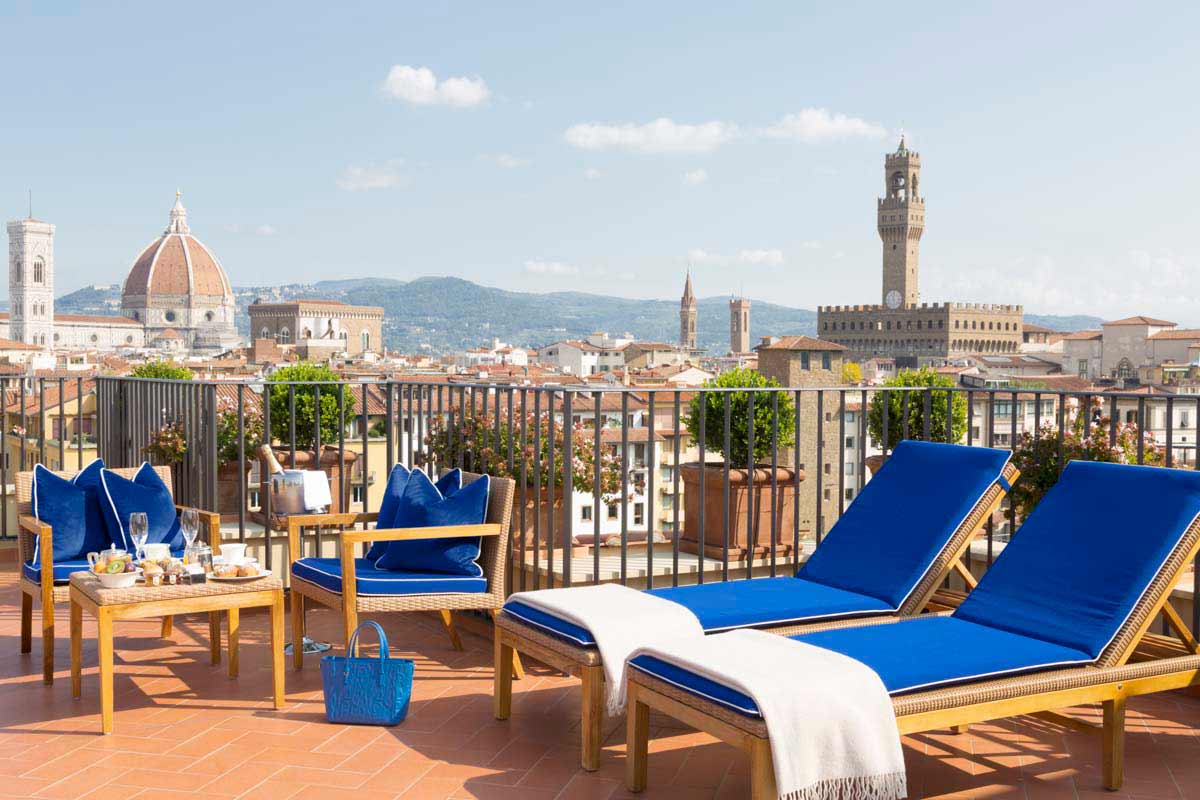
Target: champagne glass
point(189, 523)
point(139, 532)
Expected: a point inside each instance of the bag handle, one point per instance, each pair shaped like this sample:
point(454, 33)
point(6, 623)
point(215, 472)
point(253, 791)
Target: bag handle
point(352, 645)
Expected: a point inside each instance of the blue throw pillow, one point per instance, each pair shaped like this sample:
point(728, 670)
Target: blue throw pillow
point(72, 509)
point(397, 480)
point(424, 506)
point(146, 493)
point(448, 484)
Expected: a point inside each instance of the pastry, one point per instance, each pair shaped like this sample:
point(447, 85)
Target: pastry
point(247, 570)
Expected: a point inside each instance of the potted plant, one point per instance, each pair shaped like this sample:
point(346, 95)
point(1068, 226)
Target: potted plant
point(167, 445)
point(895, 401)
point(231, 477)
point(478, 444)
point(749, 536)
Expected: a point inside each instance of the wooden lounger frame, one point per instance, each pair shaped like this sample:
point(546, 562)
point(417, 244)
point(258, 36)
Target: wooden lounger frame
point(515, 636)
point(1136, 662)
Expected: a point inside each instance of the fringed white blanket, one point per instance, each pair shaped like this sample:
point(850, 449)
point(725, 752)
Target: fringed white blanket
point(620, 620)
point(832, 728)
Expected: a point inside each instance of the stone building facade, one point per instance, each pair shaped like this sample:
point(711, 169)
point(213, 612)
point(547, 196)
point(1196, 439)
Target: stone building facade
point(804, 362)
point(319, 325)
point(901, 327)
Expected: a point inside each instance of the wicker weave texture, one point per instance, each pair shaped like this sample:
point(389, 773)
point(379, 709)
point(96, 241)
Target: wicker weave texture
point(91, 587)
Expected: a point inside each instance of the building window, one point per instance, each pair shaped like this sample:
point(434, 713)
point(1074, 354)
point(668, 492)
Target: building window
point(825, 361)
point(639, 513)
point(128, 339)
point(804, 364)
point(365, 336)
point(849, 468)
point(169, 316)
point(265, 333)
point(208, 316)
point(585, 513)
point(39, 270)
point(285, 335)
point(612, 512)
point(137, 316)
point(1125, 369)
point(1082, 368)
point(356, 493)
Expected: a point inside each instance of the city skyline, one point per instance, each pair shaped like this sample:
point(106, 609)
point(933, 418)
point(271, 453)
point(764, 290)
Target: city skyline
point(435, 145)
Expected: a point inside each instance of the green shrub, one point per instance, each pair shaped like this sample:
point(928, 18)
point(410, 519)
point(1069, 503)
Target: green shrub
point(742, 405)
point(924, 377)
point(161, 369)
point(305, 374)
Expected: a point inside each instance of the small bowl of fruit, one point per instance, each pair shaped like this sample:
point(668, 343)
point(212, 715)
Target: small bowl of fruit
point(113, 568)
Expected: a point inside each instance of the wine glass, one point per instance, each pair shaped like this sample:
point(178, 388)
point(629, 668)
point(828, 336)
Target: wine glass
point(139, 532)
point(189, 523)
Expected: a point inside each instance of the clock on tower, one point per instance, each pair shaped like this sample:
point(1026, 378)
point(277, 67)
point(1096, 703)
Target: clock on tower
point(892, 299)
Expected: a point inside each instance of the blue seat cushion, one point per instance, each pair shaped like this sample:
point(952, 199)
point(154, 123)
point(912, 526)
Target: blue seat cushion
point(72, 509)
point(1087, 554)
point(734, 604)
point(918, 654)
point(398, 479)
point(423, 505)
point(369, 580)
point(146, 493)
point(885, 542)
point(62, 570)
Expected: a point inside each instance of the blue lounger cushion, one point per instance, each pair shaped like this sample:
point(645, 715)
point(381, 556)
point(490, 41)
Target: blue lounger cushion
point(923, 653)
point(733, 604)
point(885, 542)
point(327, 573)
point(62, 570)
point(1077, 568)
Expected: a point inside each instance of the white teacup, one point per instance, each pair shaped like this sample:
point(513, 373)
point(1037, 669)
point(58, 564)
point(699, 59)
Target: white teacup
point(157, 551)
point(234, 553)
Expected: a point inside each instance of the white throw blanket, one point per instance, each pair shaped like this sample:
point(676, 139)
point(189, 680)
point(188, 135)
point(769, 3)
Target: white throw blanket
point(620, 620)
point(832, 728)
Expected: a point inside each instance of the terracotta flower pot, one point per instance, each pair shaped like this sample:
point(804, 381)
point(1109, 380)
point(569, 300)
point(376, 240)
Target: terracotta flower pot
point(228, 479)
point(749, 532)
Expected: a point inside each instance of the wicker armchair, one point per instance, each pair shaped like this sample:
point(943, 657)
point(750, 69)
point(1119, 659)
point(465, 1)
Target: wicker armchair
point(495, 536)
point(46, 590)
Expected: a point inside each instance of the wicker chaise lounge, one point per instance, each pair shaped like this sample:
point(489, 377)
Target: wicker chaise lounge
point(884, 559)
point(370, 590)
point(50, 587)
point(1061, 619)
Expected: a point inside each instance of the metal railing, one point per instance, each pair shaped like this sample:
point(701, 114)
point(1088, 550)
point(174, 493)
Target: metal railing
point(600, 471)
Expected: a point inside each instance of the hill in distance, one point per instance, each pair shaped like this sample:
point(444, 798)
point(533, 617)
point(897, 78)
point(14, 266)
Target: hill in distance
point(444, 315)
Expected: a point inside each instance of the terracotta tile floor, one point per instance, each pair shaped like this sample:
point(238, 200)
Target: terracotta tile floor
point(183, 729)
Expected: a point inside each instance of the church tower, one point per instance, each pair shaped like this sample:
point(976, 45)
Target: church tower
point(901, 221)
point(687, 315)
point(739, 325)
point(31, 281)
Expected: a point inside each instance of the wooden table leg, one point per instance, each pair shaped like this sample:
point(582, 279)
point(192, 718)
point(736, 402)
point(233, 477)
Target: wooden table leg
point(76, 649)
point(104, 643)
point(297, 601)
point(277, 667)
point(234, 624)
point(214, 637)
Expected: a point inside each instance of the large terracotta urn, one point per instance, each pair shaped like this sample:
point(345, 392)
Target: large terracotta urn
point(749, 531)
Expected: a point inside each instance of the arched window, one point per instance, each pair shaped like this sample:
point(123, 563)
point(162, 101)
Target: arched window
point(39, 270)
point(366, 340)
point(208, 316)
point(1125, 369)
point(285, 335)
point(265, 333)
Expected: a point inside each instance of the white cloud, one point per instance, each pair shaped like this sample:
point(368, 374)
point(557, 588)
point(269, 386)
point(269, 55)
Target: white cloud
point(768, 258)
point(535, 267)
point(810, 245)
point(593, 174)
point(765, 257)
point(382, 175)
point(812, 125)
point(265, 230)
point(695, 177)
point(418, 86)
point(660, 136)
point(507, 160)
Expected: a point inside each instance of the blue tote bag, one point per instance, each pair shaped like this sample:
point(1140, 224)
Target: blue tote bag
point(366, 691)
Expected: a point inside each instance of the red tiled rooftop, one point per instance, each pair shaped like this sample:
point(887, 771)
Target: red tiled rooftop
point(183, 729)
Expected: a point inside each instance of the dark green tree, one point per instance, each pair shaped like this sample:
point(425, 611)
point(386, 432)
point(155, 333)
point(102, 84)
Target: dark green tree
point(742, 405)
point(161, 369)
point(304, 375)
point(895, 402)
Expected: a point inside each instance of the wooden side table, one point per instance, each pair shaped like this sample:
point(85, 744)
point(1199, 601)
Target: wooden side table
point(141, 601)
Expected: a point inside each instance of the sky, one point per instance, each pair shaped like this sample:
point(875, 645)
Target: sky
point(605, 147)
